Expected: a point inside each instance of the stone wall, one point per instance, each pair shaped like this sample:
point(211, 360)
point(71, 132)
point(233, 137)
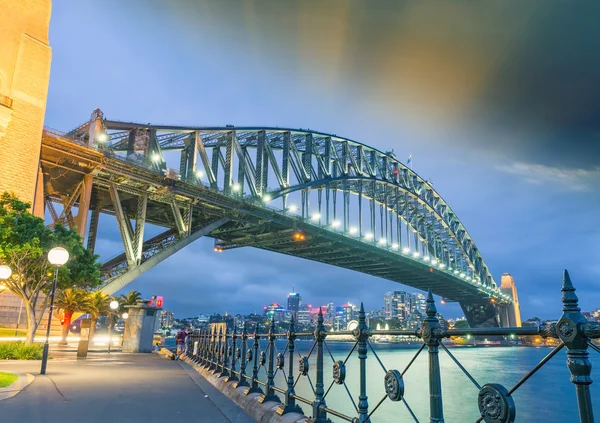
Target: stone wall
point(24, 76)
point(262, 413)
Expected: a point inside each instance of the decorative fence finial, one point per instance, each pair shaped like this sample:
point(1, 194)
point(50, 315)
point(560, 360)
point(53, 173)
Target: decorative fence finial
point(569, 298)
point(430, 309)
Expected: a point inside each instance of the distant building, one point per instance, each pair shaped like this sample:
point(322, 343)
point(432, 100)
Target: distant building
point(304, 314)
point(276, 311)
point(294, 301)
point(404, 306)
point(166, 319)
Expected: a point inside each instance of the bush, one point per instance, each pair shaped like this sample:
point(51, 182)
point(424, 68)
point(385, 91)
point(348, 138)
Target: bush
point(18, 350)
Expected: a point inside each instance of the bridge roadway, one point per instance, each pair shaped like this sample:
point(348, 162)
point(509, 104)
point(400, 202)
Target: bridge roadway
point(79, 175)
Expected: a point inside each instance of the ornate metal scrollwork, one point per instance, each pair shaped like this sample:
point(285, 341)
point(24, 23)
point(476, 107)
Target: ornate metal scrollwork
point(495, 405)
point(280, 361)
point(238, 353)
point(249, 355)
point(339, 372)
point(394, 385)
point(303, 366)
point(262, 358)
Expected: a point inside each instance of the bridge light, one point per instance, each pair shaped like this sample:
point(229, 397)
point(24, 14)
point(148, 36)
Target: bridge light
point(394, 246)
point(236, 187)
point(102, 137)
point(335, 223)
point(426, 258)
point(292, 208)
point(442, 265)
point(299, 236)
point(462, 275)
point(406, 250)
point(382, 241)
point(456, 272)
point(368, 236)
point(315, 217)
point(155, 157)
point(353, 230)
point(416, 254)
point(266, 198)
point(199, 173)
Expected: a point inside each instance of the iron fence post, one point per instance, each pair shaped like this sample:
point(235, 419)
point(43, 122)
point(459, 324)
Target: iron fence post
point(219, 356)
point(290, 406)
point(225, 367)
point(254, 388)
point(362, 335)
point(243, 381)
point(213, 342)
point(319, 415)
point(205, 348)
point(269, 394)
point(432, 334)
point(571, 331)
point(232, 376)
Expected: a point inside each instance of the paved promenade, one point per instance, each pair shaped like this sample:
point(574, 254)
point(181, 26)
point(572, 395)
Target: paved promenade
point(132, 388)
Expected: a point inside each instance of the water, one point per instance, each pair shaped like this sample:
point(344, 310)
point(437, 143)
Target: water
point(547, 396)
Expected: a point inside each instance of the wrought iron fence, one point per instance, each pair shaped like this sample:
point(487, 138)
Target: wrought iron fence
point(229, 355)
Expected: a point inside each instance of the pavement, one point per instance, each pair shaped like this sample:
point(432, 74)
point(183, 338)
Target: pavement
point(116, 388)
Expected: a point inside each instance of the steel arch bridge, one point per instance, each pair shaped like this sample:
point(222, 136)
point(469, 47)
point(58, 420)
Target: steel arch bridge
point(294, 191)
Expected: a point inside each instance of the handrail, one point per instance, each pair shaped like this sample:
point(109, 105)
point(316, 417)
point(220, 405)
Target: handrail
point(496, 403)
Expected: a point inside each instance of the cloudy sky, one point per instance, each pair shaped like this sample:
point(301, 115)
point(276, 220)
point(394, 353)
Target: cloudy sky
point(498, 103)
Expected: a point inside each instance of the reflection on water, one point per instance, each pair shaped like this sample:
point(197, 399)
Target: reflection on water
point(547, 396)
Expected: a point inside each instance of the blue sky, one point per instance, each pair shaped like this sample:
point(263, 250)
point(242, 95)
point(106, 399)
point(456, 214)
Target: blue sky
point(497, 102)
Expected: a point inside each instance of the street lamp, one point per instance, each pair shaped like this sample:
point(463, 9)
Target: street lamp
point(57, 257)
point(113, 305)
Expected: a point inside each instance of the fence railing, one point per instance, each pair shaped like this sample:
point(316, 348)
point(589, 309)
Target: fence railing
point(229, 355)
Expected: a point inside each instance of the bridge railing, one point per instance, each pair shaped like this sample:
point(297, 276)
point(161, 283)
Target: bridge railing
point(232, 356)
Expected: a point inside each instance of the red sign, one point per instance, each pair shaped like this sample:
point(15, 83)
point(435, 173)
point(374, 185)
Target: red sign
point(159, 301)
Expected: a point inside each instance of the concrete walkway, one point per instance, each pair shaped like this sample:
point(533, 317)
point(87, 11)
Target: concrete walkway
point(132, 388)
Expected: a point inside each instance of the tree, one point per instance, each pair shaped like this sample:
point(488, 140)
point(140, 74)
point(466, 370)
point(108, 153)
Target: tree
point(98, 305)
point(69, 301)
point(24, 244)
point(129, 299)
point(461, 324)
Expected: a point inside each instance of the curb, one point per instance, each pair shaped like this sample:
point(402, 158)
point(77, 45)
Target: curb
point(17, 386)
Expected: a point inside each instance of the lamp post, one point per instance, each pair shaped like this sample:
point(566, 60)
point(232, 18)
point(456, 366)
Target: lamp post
point(57, 257)
point(113, 305)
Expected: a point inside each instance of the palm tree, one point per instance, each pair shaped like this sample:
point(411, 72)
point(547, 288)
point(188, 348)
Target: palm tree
point(129, 299)
point(69, 301)
point(99, 305)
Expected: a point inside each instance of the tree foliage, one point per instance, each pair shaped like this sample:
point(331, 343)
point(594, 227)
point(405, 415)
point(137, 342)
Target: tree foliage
point(24, 244)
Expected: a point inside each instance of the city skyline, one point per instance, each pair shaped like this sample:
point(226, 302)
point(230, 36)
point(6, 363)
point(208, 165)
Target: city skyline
point(471, 109)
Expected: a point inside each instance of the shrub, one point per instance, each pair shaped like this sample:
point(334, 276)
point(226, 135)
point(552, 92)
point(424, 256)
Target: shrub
point(18, 350)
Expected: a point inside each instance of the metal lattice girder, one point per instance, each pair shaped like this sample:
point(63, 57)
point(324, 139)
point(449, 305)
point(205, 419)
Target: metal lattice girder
point(124, 225)
point(387, 206)
point(135, 271)
point(349, 159)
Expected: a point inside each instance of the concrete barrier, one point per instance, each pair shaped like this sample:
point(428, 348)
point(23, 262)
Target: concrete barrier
point(262, 413)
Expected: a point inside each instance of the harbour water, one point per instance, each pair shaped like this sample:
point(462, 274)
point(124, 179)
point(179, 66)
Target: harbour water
point(547, 396)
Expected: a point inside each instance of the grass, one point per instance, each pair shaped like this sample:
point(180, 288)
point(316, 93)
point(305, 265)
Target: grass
point(17, 350)
point(9, 333)
point(6, 379)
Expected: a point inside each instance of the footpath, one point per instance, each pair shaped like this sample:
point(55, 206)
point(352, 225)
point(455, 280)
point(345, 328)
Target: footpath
point(115, 388)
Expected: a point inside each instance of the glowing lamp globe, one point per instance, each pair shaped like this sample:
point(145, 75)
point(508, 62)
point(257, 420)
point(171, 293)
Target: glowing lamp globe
point(125, 315)
point(5, 272)
point(114, 305)
point(58, 256)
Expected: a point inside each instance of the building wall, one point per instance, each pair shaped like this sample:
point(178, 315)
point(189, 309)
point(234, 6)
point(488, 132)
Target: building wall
point(25, 58)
